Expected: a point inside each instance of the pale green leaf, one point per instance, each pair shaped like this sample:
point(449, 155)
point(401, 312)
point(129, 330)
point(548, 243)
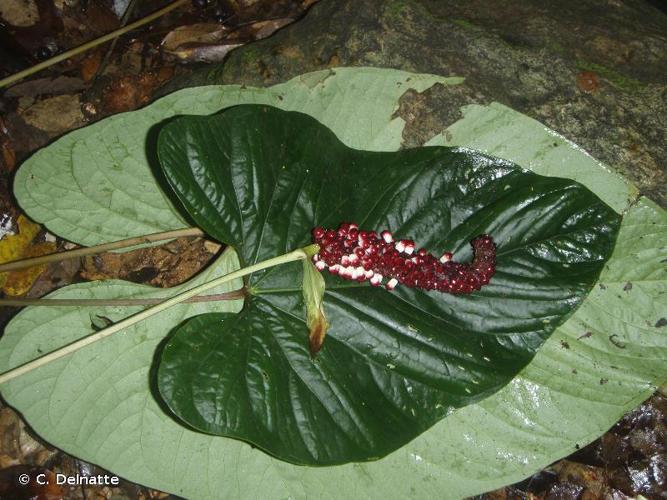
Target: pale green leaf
point(96, 185)
point(102, 411)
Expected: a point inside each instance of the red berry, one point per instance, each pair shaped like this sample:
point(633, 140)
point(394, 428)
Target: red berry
point(362, 255)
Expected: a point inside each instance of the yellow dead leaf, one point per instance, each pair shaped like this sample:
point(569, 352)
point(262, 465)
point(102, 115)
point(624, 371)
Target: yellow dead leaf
point(18, 246)
point(20, 282)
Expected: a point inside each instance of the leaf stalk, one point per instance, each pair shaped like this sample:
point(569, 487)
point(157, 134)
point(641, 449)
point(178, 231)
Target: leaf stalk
point(295, 255)
point(44, 302)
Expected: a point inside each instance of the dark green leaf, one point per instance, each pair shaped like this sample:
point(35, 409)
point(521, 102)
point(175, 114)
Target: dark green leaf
point(393, 363)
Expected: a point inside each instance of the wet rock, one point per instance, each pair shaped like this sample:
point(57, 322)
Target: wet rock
point(594, 71)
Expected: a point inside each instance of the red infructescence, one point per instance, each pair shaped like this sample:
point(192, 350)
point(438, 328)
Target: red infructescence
point(365, 255)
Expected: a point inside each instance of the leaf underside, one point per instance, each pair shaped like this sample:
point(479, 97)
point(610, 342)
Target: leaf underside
point(393, 363)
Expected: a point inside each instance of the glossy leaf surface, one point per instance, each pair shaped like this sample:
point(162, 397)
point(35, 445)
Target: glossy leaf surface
point(393, 364)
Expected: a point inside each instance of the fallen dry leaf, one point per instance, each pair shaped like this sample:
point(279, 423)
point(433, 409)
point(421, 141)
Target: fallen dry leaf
point(194, 33)
point(20, 282)
point(16, 444)
point(590, 477)
point(198, 42)
point(129, 92)
point(19, 246)
point(211, 42)
point(164, 265)
point(55, 114)
point(48, 85)
point(8, 153)
point(13, 246)
point(205, 53)
point(90, 64)
point(137, 57)
point(57, 274)
point(20, 13)
point(85, 22)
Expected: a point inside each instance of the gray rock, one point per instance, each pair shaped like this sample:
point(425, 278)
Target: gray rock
point(593, 70)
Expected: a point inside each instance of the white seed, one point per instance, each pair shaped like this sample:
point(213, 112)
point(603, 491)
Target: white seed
point(400, 246)
point(320, 265)
point(316, 257)
point(353, 258)
point(409, 248)
point(335, 268)
point(369, 274)
point(387, 237)
point(353, 226)
point(392, 284)
point(376, 280)
point(445, 257)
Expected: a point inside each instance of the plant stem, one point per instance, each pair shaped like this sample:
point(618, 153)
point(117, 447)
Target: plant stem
point(89, 45)
point(233, 295)
point(299, 254)
point(105, 247)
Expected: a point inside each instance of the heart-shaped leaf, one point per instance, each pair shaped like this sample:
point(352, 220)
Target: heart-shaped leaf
point(393, 363)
